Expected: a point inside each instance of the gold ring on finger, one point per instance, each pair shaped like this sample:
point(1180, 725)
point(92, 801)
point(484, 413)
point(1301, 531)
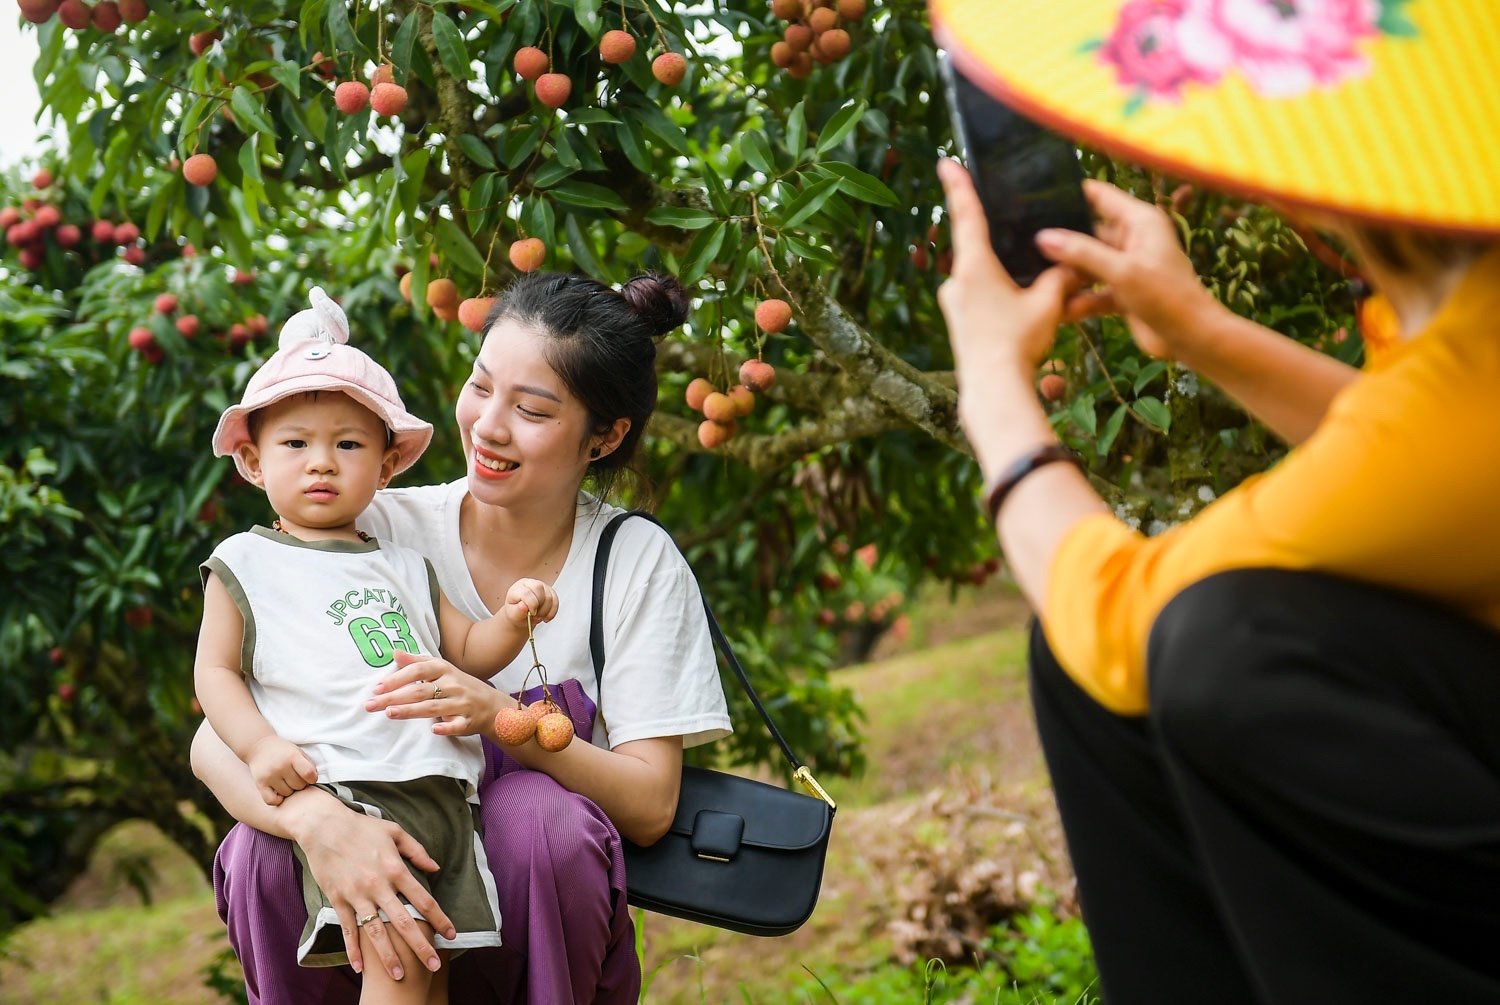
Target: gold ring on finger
point(362, 922)
point(437, 692)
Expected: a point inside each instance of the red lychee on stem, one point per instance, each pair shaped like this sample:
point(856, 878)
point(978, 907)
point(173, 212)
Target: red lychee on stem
point(200, 170)
point(528, 254)
point(616, 46)
point(530, 62)
point(351, 97)
point(669, 68)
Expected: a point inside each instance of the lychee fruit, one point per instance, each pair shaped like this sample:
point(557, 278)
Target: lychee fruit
point(782, 54)
point(126, 233)
point(166, 303)
point(530, 62)
point(744, 400)
point(473, 311)
point(257, 325)
point(773, 315)
point(719, 407)
point(242, 277)
point(75, 14)
point(1052, 386)
point(201, 41)
point(851, 10)
point(406, 287)
point(757, 375)
point(200, 169)
point(31, 259)
point(554, 731)
point(786, 10)
point(833, 43)
point(528, 254)
point(514, 726)
point(47, 217)
point(385, 73)
point(616, 46)
point(388, 99)
point(798, 37)
point(187, 326)
point(714, 434)
point(552, 89)
point(134, 11)
point(106, 16)
point(9, 217)
point(103, 232)
point(42, 179)
point(135, 256)
point(351, 97)
point(442, 294)
point(67, 235)
point(38, 11)
point(822, 20)
point(324, 66)
point(669, 68)
point(698, 390)
point(141, 339)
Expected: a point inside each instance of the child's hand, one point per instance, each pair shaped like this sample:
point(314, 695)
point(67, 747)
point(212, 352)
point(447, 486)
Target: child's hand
point(280, 768)
point(531, 595)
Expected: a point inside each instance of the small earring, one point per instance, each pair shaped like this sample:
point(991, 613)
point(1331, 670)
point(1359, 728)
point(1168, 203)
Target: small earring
point(594, 454)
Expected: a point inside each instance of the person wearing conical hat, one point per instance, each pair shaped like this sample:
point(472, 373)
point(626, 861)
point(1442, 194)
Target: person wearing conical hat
point(301, 618)
point(1273, 730)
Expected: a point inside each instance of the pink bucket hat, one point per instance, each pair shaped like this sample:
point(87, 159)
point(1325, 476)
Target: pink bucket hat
point(313, 354)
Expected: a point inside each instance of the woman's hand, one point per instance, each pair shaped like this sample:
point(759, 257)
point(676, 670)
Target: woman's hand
point(429, 687)
point(529, 596)
point(992, 322)
point(1144, 272)
point(359, 862)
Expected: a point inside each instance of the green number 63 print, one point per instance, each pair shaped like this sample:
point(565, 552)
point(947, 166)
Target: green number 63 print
point(373, 642)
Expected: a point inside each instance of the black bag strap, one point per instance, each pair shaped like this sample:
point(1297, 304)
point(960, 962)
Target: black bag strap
point(596, 647)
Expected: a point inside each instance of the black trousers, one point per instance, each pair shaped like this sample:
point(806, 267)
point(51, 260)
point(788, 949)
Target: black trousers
point(1310, 812)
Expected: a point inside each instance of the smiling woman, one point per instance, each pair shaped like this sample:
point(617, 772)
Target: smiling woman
point(561, 391)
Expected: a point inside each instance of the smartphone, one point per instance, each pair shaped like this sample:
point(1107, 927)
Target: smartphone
point(1027, 177)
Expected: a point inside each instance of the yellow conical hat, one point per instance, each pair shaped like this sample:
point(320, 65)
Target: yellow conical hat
point(1386, 110)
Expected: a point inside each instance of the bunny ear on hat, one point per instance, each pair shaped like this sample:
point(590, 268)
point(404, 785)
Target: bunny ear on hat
point(1382, 110)
point(324, 321)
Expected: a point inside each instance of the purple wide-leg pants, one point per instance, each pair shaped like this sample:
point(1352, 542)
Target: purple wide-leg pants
point(559, 872)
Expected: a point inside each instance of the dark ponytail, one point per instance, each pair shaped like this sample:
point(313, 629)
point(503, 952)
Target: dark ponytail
point(601, 343)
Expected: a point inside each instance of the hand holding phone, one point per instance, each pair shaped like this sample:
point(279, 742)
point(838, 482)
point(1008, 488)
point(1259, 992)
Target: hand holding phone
point(1028, 178)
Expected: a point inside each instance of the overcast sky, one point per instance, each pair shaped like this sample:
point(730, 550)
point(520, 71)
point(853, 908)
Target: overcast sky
point(18, 97)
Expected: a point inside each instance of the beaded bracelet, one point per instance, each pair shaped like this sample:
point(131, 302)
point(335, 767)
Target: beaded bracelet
point(994, 496)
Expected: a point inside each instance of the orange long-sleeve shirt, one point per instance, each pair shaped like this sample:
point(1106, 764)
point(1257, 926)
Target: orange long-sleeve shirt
point(1399, 485)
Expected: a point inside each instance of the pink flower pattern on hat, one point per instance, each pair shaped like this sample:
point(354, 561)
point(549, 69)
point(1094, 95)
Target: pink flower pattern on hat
point(1281, 48)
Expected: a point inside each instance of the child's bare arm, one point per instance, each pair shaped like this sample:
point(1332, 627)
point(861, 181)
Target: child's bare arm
point(278, 765)
point(483, 648)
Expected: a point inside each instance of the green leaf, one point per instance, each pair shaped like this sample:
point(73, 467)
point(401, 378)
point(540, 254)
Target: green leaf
point(803, 248)
point(634, 145)
point(591, 117)
point(682, 217)
point(1153, 412)
point(1082, 412)
point(860, 185)
point(757, 152)
point(796, 130)
point(587, 14)
point(583, 250)
point(248, 109)
point(657, 124)
point(591, 196)
point(289, 75)
point(338, 27)
point(700, 254)
point(810, 200)
point(450, 46)
point(457, 248)
point(563, 150)
point(550, 173)
point(413, 169)
point(1148, 373)
point(406, 39)
point(840, 126)
point(475, 149)
point(1111, 430)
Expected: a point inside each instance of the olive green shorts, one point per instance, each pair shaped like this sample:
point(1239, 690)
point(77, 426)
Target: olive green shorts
point(443, 814)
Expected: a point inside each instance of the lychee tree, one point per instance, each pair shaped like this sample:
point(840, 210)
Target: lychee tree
point(776, 157)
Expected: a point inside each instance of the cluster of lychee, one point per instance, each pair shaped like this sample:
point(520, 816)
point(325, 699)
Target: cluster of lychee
point(106, 15)
point(143, 340)
point(526, 255)
point(383, 94)
point(542, 719)
point(618, 46)
point(815, 33)
point(31, 225)
point(721, 409)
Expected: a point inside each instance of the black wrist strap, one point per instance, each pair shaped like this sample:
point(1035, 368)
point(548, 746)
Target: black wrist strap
point(596, 642)
point(994, 496)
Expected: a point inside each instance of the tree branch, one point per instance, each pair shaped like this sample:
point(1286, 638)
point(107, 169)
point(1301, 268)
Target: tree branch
point(848, 419)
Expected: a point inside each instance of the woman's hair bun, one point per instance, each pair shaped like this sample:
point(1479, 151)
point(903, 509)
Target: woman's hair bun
point(658, 300)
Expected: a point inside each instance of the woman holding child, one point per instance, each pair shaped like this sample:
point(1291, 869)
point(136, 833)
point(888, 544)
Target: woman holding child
point(562, 388)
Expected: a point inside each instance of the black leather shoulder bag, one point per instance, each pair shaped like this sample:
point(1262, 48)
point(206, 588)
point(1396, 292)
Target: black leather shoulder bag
point(740, 854)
